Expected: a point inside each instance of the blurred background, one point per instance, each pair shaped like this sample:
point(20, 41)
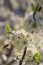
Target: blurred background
point(19, 15)
point(15, 12)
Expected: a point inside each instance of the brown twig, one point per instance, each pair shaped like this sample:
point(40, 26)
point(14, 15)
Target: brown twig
point(5, 46)
point(34, 16)
point(21, 61)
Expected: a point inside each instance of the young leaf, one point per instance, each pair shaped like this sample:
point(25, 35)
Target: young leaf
point(37, 7)
point(8, 29)
point(33, 7)
point(37, 57)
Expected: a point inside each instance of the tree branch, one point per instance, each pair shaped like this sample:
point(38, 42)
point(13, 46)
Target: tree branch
point(21, 61)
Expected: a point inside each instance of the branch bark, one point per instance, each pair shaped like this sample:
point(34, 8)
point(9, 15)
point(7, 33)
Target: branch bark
point(21, 61)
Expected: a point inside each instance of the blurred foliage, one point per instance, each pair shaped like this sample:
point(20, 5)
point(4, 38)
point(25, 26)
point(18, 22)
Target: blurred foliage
point(30, 21)
point(25, 42)
point(34, 25)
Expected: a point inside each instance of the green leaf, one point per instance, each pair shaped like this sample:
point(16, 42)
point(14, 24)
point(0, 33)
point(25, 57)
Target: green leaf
point(37, 57)
point(8, 29)
point(37, 7)
point(33, 7)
